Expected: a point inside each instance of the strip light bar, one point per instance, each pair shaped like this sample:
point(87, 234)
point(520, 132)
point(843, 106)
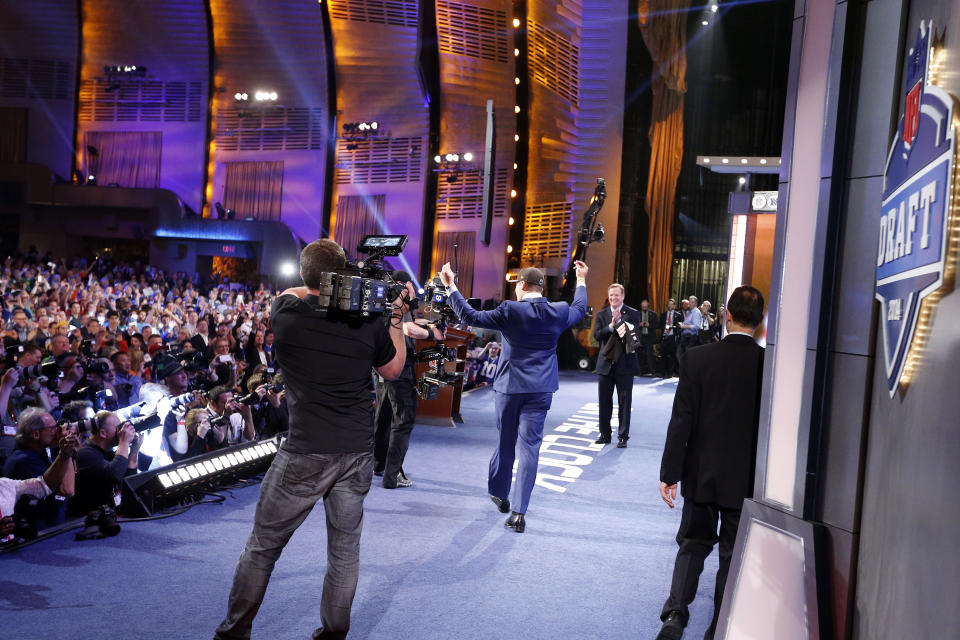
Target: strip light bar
point(183, 477)
point(214, 466)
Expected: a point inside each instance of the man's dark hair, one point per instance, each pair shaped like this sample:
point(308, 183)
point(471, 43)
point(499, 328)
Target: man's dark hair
point(317, 257)
point(76, 409)
point(218, 391)
point(746, 306)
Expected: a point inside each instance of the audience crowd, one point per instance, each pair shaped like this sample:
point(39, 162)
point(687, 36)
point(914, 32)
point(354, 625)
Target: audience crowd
point(140, 366)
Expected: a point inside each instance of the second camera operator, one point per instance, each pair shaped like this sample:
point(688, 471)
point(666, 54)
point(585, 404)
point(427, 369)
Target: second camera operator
point(397, 404)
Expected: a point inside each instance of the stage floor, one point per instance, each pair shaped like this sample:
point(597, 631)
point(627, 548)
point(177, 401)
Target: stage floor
point(436, 561)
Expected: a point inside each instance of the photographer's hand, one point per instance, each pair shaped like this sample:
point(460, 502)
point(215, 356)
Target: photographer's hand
point(10, 379)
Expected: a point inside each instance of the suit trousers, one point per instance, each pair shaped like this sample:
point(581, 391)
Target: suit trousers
point(646, 345)
point(518, 415)
point(396, 413)
point(668, 356)
point(696, 537)
point(624, 385)
point(293, 485)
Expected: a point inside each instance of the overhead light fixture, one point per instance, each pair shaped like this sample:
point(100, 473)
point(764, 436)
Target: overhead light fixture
point(742, 180)
point(748, 164)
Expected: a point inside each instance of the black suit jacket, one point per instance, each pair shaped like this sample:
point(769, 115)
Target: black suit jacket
point(677, 318)
point(627, 362)
point(712, 438)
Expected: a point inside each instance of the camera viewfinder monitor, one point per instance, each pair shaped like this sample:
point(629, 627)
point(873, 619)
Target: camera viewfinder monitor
point(384, 245)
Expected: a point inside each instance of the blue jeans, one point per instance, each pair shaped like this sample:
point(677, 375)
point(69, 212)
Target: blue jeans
point(518, 415)
point(291, 488)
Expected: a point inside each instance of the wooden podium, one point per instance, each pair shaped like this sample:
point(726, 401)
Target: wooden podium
point(445, 410)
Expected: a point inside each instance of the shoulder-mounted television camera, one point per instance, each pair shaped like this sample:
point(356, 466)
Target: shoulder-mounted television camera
point(364, 287)
point(428, 386)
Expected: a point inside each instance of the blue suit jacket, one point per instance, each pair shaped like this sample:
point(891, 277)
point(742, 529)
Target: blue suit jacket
point(530, 329)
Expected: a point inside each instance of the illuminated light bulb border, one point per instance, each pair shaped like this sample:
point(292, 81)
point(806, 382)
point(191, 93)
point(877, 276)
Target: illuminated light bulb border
point(915, 355)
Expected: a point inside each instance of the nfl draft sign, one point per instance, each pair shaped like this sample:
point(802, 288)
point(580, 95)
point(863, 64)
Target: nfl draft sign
point(917, 221)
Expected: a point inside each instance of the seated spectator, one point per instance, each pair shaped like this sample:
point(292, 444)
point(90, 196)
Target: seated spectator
point(488, 364)
point(126, 382)
point(37, 432)
point(100, 472)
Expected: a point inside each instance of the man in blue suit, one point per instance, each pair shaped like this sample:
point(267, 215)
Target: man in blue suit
point(526, 376)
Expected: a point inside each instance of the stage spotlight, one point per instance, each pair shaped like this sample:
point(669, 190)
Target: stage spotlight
point(714, 8)
point(437, 159)
point(704, 22)
point(288, 269)
point(91, 180)
point(231, 214)
point(742, 180)
point(468, 157)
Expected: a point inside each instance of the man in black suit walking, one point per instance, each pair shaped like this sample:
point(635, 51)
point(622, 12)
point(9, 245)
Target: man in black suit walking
point(617, 363)
point(711, 451)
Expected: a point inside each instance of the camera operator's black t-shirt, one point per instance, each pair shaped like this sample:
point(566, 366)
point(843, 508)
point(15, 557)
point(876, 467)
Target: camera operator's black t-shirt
point(326, 362)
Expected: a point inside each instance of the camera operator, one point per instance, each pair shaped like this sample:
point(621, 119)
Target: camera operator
point(37, 432)
point(326, 357)
point(397, 403)
point(239, 425)
point(100, 471)
point(270, 413)
point(57, 478)
point(101, 374)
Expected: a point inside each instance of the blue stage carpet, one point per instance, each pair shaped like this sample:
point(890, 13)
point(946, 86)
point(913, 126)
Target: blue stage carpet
point(436, 561)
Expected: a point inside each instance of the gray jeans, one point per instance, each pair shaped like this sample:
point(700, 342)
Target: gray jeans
point(291, 488)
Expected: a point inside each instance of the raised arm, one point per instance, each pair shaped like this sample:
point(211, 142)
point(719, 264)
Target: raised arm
point(579, 307)
point(494, 319)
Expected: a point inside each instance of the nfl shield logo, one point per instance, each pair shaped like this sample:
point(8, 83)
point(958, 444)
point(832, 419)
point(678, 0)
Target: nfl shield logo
point(915, 217)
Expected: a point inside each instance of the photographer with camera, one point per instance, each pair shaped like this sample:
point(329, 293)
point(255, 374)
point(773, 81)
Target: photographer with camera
point(326, 357)
point(397, 403)
point(268, 401)
point(37, 433)
point(238, 426)
point(100, 472)
point(172, 405)
point(526, 376)
point(57, 478)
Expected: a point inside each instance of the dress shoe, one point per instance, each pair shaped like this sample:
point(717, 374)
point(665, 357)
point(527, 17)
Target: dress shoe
point(672, 628)
point(516, 522)
point(503, 504)
point(402, 482)
point(622, 443)
point(602, 440)
point(378, 473)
